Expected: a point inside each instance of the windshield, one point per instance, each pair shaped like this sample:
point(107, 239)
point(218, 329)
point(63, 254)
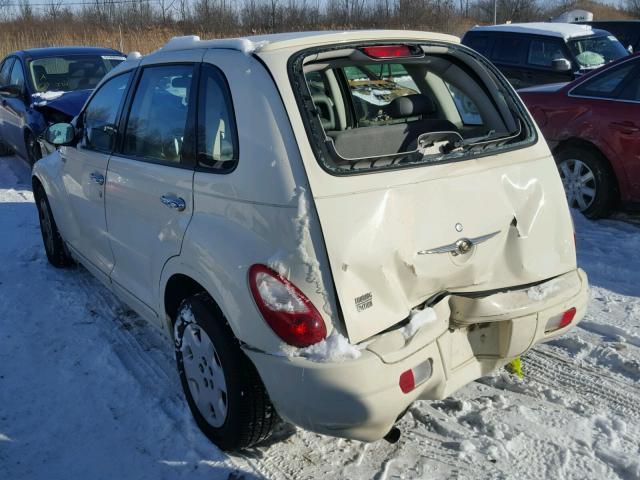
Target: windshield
point(368, 114)
point(70, 72)
point(593, 52)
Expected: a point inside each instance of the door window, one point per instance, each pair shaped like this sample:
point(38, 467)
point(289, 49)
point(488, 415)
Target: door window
point(508, 50)
point(467, 108)
point(605, 85)
point(480, 44)
point(5, 71)
point(100, 116)
point(17, 76)
point(542, 52)
point(156, 125)
point(217, 138)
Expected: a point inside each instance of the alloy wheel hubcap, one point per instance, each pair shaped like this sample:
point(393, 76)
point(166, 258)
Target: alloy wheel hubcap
point(579, 183)
point(204, 373)
point(45, 221)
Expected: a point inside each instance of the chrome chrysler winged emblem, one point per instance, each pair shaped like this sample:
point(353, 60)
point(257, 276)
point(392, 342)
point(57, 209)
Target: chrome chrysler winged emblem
point(461, 246)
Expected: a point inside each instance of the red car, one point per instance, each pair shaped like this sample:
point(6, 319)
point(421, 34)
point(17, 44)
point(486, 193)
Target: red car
point(592, 126)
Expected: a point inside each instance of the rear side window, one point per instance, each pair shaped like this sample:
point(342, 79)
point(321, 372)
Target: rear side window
point(542, 52)
point(508, 50)
point(217, 138)
point(606, 84)
point(99, 118)
point(480, 43)
point(365, 113)
point(158, 117)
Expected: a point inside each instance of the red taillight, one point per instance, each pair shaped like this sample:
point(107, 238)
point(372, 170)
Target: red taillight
point(388, 51)
point(567, 317)
point(288, 312)
point(407, 382)
point(561, 320)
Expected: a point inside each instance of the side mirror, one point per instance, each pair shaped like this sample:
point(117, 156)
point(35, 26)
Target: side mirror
point(10, 91)
point(561, 64)
point(60, 134)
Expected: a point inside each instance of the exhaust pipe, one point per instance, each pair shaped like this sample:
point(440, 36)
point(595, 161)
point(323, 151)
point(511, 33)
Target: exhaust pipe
point(393, 435)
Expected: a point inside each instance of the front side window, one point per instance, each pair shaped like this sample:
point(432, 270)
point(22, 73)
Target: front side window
point(364, 113)
point(156, 125)
point(606, 84)
point(70, 72)
point(99, 118)
point(543, 52)
point(5, 72)
point(592, 52)
point(217, 138)
point(17, 76)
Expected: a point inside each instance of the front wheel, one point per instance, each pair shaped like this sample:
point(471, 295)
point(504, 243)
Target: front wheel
point(54, 246)
point(223, 389)
point(33, 148)
point(588, 181)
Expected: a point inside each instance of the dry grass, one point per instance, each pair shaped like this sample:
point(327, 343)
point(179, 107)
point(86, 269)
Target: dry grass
point(37, 32)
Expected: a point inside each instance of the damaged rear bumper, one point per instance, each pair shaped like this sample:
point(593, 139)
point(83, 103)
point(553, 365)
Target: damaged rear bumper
point(362, 398)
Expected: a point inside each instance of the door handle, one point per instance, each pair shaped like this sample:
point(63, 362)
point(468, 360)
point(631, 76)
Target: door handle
point(174, 202)
point(97, 178)
point(625, 127)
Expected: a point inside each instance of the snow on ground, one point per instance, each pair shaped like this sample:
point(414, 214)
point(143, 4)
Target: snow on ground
point(89, 391)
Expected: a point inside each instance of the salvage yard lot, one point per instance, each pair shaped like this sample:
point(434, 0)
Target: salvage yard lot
point(89, 391)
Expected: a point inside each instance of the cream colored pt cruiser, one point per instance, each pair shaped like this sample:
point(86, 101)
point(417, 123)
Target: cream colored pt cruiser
point(330, 226)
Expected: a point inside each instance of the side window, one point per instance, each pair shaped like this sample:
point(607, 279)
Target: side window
point(605, 85)
point(468, 110)
point(99, 118)
point(217, 137)
point(481, 44)
point(17, 76)
point(508, 50)
point(156, 125)
point(542, 52)
point(5, 72)
point(632, 89)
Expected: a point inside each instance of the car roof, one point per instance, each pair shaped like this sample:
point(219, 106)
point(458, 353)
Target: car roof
point(299, 40)
point(561, 30)
point(53, 51)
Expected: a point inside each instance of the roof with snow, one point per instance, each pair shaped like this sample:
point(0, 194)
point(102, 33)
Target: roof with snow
point(562, 30)
point(302, 39)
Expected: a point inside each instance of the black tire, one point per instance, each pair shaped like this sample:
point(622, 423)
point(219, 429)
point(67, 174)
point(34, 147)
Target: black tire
point(33, 148)
point(603, 181)
point(250, 416)
point(54, 246)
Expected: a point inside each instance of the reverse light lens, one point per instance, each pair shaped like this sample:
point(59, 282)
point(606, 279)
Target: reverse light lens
point(288, 312)
point(415, 376)
point(560, 321)
point(388, 51)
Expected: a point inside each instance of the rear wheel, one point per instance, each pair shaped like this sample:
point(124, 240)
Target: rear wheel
point(54, 246)
point(223, 389)
point(588, 181)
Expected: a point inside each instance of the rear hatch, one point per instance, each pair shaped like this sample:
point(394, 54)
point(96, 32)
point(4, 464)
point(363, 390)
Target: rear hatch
point(428, 177)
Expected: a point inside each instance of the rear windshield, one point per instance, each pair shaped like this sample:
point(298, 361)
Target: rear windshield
point(70, 72)
point(437, 104)
point(592, 52)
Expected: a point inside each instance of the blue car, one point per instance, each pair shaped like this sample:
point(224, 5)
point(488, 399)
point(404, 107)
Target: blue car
point(42, 86)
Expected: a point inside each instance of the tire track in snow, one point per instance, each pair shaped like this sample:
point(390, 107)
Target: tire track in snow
point(593, 387)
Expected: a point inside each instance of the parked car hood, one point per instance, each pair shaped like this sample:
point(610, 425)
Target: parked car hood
point(69, 103)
